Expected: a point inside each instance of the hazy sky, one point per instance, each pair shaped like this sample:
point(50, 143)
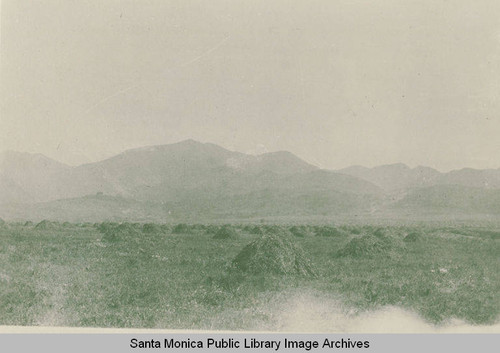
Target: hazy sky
point(335, 82)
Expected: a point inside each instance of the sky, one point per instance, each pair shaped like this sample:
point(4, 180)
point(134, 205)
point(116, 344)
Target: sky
point(337, 83)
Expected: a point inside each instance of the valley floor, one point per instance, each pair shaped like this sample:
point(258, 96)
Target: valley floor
point(182, 277)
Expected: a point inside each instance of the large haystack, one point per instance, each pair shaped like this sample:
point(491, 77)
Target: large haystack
point(273, 254)
point(371, 245)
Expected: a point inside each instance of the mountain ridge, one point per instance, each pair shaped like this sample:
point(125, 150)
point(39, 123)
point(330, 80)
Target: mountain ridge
point(195, 179)
point(194, 142)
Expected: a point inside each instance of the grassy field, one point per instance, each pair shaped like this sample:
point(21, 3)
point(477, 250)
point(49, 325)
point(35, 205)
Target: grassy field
point(184, 277)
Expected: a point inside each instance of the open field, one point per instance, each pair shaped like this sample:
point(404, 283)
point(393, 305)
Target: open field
point(185, 276)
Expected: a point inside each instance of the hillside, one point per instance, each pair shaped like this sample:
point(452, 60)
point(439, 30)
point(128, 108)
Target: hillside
point(399, 177)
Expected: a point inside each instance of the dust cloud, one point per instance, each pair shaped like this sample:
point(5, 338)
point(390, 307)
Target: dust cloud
point(312, 312)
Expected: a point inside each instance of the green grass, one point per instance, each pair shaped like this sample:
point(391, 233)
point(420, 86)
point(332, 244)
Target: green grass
point(75, 276)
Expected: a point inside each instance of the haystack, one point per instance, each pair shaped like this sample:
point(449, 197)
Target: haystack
point(113, 231)
point(328, 231)
point(46, 224)
point(273, 254)
point(151, 228)
point(211, 229)
point(225, 232)
point(413, 237)
point(256, 230)
point(300, 231)
point(181, 228)
point(371, 245)
point(127, 230)
point(380, 233)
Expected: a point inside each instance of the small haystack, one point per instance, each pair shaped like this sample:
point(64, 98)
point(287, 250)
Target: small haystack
point(273, 254)
point(300, 231)
point(328, 231)
point(151, 228)
point(413, 237)
point(257, 230)
point(211, 229)
point(114, 232)
point(226, 232)
point(46, 224)
point(371, 245)
point(181, 228)
point(127, 230)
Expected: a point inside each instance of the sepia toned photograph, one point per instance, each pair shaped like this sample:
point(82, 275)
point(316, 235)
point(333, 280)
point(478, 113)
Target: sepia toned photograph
point(273, 166)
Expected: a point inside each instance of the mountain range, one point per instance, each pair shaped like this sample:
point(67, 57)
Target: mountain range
point(196, 181)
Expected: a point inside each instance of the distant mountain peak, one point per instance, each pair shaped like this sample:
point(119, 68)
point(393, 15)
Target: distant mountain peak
point(394, 166)
point(188, 142)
